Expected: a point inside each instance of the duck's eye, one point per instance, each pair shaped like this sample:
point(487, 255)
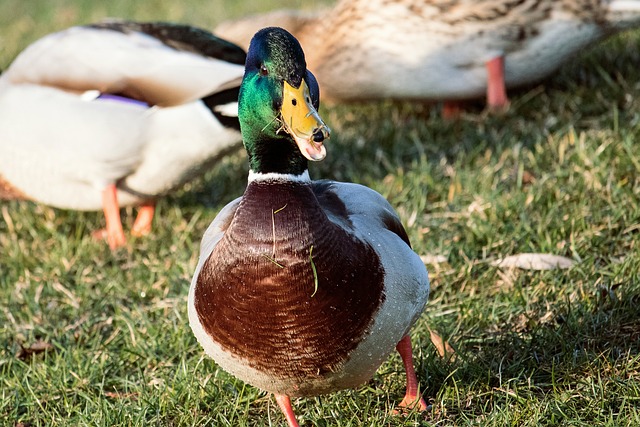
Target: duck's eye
point(263, 70)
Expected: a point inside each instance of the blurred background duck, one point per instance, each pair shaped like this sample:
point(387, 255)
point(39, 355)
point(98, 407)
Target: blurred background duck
point(116, 114)
point(441, 49)
point(302, 287)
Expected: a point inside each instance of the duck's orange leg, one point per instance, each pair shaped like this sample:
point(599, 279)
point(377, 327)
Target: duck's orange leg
point(411, 398)
point(284, 402)
point(142, 224)
point(496, 88)
point(451, 110)
point(115, 234)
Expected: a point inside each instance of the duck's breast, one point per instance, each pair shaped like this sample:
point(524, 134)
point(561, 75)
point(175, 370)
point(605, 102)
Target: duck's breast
point(295, 303)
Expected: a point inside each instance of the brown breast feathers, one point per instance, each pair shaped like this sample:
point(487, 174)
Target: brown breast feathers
point(256, 294)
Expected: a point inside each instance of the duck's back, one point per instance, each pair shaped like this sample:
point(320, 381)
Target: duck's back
point(120, 58)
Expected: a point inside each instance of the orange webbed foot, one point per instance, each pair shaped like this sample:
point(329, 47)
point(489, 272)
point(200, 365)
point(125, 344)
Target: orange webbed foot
point(412, 399)
point(451, 110)
point(114, 232)
point(142, 224)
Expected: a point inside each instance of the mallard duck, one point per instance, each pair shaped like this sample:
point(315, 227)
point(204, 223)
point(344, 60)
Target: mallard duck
point(441, 49)
point(302, 287)
point(116, 114)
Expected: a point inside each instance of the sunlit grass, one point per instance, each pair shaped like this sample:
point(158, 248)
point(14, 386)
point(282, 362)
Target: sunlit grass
point(559, 173)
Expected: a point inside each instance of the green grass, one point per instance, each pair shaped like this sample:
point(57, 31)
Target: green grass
point(559, 173)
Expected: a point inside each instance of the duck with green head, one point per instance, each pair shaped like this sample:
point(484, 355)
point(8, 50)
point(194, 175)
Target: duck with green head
point(302, 287)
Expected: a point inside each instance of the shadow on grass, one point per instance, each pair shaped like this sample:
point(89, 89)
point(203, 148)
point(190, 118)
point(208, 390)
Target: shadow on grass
point(590, 352)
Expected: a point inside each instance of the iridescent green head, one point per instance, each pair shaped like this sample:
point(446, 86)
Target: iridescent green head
point(278, 104)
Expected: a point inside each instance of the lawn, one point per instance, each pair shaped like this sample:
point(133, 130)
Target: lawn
point(90, 337)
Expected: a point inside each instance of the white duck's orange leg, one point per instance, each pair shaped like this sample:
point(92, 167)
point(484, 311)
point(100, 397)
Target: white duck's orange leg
point(284, 402)
point(142, 224)
point(496, 89)
point(115, 234)
point(411, 398)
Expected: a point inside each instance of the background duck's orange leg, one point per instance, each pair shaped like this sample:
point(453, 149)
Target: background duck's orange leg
point(284, 402)
point(496, 89)
point(411, 398)
point(142, 224)
point(451, 110)
point(115, 234)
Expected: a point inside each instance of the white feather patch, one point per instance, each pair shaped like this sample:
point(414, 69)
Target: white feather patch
point(229, 110)
point(272, 176)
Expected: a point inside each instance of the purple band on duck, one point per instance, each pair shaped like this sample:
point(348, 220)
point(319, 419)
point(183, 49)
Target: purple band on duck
point(124, 99)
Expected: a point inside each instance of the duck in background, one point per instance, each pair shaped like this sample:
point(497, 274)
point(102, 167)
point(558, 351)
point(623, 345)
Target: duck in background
point(447, 50)
point(116, 114)
point(302, 287)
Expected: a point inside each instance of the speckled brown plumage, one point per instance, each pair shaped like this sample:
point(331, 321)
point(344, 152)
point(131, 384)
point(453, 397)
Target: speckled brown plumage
point(268, 313)
point(438, 49)
point(328, 31)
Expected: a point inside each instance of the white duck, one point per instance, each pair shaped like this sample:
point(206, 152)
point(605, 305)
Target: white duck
point(116, 114)
point(441, 49)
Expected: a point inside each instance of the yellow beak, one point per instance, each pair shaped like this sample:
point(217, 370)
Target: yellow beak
point(302, 122)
